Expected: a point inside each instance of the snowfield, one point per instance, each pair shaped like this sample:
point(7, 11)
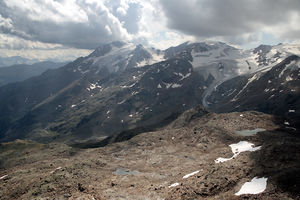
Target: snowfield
point(191, 174)
point(3, 177)
point(173, 185)
point(238, 148)
point(255, 186)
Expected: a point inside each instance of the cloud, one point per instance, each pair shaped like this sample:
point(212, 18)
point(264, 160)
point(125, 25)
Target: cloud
point(232, 18)
point(152, 27)
point(57, 55)
point(79, 24)
point(84, 24)
point(15, 46)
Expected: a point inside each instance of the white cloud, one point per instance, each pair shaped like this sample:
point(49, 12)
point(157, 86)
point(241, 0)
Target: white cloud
point(121, 11)
point(79, 24)
point(108, 30)
point(14, 46)
point(123, 7)
point(153, 27)
point(5, 23)
point(57, 11)
point(58, 55)
point(84, 24)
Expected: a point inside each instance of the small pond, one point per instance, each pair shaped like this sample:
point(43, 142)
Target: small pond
point(123, 171)
point(249, 132)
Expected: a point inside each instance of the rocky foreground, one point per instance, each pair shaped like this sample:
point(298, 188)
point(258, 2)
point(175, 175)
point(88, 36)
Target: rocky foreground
point(179, 161)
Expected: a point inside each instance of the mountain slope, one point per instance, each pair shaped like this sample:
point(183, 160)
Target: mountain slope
point(275, 91)
point(95, 97)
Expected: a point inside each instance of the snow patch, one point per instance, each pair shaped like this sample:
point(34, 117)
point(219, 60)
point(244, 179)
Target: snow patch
point(191, 174)
point(185, 76)
point(172, 85)
point(182, 77)
point(238, 148)
point(173, 185)
point(288, 78)
point(3, 177)
point(155, 58)
point(231, 92)
point(255, 186)
point(292, 111)
point(175, 85)
point(121, 102)
point(271, 96)
point(168, 85)
point(94, 86)
point(289, 66)
point(250, 80)
point(55, 170)
point(128, 86)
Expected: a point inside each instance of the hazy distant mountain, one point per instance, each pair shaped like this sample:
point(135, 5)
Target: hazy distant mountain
point(121, 86)
point(15, 60)
point(21, 72)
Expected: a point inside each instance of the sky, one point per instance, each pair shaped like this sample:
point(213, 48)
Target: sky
point(67, 29)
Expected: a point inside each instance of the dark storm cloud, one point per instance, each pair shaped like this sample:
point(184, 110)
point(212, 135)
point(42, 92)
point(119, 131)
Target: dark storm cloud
point(212, 18)
point(83, 24)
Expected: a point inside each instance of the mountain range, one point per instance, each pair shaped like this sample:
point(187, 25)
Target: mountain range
point(16, 60)
point(122, 86)
point(201, 120)
point(21, 72)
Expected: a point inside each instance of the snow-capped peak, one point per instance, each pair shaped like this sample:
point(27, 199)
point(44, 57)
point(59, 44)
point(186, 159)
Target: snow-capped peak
point(106, 48)
point(119, 56)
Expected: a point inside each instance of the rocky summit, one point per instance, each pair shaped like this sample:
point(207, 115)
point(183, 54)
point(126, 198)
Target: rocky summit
point(202, 120)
